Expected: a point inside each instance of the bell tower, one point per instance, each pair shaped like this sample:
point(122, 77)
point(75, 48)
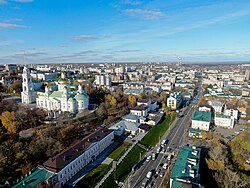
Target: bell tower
point(28, 93)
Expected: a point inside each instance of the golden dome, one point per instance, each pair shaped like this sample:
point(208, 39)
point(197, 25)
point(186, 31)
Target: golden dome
point(63, 81)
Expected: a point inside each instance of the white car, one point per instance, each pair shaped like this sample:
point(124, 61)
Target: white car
point(153, 157)
point(148, 158)
point(169, 158)
point(165, 166)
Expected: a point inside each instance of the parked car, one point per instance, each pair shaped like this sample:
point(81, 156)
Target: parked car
point(161, 174)
point(148, 158)
point(153, 156)
point(165, 166)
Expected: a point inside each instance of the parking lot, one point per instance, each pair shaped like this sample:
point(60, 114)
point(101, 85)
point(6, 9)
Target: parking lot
point(229, 134)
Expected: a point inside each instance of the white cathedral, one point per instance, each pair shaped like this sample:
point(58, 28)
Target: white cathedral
point(61, 100)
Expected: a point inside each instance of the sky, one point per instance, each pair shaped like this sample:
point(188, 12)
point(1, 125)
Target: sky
point(83, 31)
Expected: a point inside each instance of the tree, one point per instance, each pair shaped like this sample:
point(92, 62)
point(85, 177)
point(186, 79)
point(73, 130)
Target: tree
point(132, 100)
point(10, 122)
point(163, 97)
point(102, 111)
point(111, 99)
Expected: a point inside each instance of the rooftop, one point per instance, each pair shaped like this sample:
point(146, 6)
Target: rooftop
point(36, 177)
point(140, 107)
point(131, 117)
point(59, 161)
point(202, 116)
point(194, 131)
point(223, 116)
point(231, 106)
point(186, 167)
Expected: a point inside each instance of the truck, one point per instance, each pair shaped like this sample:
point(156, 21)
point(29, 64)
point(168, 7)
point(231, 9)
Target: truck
point(149, 175)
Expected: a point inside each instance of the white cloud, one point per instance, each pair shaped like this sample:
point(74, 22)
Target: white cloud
point(83, 37)
point(144, 14)
point(9, 25)
point(131, 2)
point(24, 1)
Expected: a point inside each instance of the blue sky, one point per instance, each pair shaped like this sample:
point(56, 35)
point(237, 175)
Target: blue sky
point(79, 31)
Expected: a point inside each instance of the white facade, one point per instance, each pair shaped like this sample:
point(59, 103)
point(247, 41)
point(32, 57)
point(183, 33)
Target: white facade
point(204, 109)
point(174, 100)
point(63, 100)
point(89, 155)
point(103, 80)
point(44, 76)
point(28, 94)
point(224, 121)
point(217, 106)
point(231, 112)
point(202, 125)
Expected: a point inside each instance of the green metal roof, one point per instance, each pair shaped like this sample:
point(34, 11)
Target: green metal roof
point(202, 116)
point(35, 178)
point(192, 130)
point(223, 116)
point(181, 169)
point(82, 96)
point(56, 94)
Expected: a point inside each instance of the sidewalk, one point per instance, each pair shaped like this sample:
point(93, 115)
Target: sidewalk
point(138, 138)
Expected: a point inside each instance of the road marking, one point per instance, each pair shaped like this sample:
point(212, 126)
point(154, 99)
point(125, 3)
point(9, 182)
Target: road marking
point(168, 144)
point(175, 134)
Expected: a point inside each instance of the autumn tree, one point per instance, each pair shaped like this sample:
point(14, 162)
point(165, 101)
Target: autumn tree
point(111, 99)
point(10, 122)
point(163, 97)
point(132, 100)
point(102, 111)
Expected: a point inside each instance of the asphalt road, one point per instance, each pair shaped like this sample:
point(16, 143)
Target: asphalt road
point(174, 137)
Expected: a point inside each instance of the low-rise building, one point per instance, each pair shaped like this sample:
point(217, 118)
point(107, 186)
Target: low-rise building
point(231, 110)
point(217, 106)
point(140, 110)
point(195, 133)
point(70, 161)
point(127, 126)
point(36, 177)
point(224, 121)
point(143, 128)
point(186, 169)
point(131, 118)
point(205, 108)
point(201, 120)
point(152, 105)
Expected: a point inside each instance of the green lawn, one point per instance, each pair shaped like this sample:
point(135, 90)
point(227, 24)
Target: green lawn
point(164, 183)
point(109, 182)
point(94, 176)
point(118, 152)
point(152, 138)
point(128, 162)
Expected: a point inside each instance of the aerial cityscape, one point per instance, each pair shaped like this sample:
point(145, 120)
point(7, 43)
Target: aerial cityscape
point(124, 93)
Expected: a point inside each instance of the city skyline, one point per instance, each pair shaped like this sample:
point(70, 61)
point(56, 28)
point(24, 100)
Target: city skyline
point(123, 31)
